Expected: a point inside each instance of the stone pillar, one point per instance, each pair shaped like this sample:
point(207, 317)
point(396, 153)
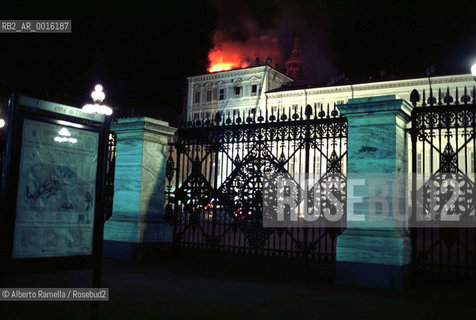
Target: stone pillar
point(139, 188)
point(370, 253)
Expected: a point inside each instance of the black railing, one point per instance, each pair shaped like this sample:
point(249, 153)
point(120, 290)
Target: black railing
point(109, 180)
point(443, 143)
point(215, 175)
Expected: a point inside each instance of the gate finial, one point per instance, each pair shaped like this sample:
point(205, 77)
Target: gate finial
point(414, 97)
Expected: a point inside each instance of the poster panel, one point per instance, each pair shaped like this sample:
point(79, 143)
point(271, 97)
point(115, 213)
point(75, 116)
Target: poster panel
point(56, 191)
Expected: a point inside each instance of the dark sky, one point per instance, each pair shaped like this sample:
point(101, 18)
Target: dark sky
point(143, 51)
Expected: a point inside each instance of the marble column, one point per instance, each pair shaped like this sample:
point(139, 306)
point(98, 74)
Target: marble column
point(375, 253)
point(139, 188)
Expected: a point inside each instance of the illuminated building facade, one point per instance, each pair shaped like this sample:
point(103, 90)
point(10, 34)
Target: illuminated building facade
point(264, 88)
point(236, 90)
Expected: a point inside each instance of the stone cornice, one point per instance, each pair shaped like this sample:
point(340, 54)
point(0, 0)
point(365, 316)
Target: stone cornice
point(388, 104)
point(227, 74)
point(143, 124)
point(236, 73)
point(446, 80)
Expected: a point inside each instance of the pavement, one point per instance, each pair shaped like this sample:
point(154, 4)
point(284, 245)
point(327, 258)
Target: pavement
point(199, 289)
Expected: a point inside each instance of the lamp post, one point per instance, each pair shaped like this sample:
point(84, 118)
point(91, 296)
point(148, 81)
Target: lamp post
point(98, 97)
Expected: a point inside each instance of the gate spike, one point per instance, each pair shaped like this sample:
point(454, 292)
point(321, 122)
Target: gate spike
point(439, 97)
point(474, 94)
point(335, 112)
point(465, 95)
point(423, 103)
point(315, 111)
point(308, 111)
point(447, 98)
point(321, 113)
point(456, 97)
point(217, 118)
point(260, 117)
point(327, 110)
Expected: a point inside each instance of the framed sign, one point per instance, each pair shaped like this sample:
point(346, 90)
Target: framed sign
point(53, 183)
point(56, 188)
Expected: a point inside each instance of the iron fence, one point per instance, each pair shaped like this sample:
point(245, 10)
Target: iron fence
point(109, 179)
point(215, 174)
point(442, 144)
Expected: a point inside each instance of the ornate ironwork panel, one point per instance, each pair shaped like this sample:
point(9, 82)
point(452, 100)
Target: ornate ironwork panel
point(443, 145)
point(109, 181)
point(215, 174)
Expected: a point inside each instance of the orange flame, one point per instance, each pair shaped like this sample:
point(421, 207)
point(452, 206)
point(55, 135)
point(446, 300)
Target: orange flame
point(228, 55)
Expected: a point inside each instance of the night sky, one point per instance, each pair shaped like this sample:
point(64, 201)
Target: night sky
point(142, 51)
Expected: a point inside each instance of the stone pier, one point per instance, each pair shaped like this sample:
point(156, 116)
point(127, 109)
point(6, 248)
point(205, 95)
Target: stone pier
point(137, 220)
point(375, 253)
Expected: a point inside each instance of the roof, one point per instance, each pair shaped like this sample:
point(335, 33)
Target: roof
point(237, 70)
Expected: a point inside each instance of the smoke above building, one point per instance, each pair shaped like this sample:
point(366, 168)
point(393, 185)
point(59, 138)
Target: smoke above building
point(266, 30)
point(228, 53)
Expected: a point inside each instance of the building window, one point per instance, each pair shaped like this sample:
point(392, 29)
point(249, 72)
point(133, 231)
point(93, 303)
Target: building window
point(221, 95)
point(197, 97)
point(209, 95)
point(237, 91)
point(254, 89)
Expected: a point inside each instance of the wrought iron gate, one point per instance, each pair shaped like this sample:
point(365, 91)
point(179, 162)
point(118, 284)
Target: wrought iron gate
point(443, 143)
point(110, 170)
point(214, 179)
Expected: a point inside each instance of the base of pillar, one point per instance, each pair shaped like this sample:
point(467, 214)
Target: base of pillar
point(372, 275)
point(373, 258)
point(136, 240)
point(137, 231)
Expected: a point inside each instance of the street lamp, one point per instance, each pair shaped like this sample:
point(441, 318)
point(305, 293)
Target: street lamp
point(98, 97)
point(2, 123)
point(473, 70)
